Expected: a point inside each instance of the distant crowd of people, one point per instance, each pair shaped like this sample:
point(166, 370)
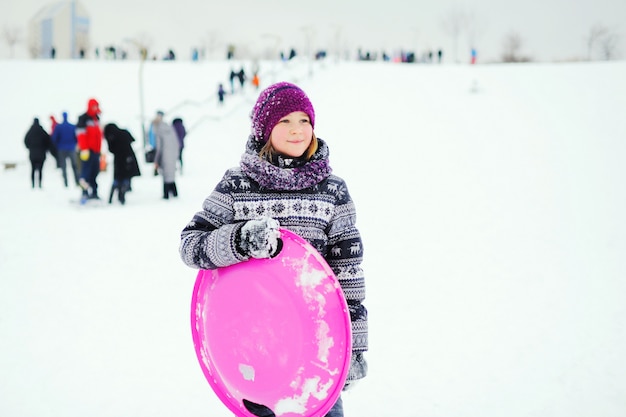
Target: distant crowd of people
point(237, 80)
point(112, 52)
point(79, 147)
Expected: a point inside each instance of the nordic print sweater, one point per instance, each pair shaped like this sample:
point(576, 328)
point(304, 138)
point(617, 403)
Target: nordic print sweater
point(306, 198)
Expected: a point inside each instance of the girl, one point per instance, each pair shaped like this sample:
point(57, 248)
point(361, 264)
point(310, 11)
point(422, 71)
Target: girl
point(284, 179)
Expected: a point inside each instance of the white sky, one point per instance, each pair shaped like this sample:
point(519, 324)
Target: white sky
point(550, 29)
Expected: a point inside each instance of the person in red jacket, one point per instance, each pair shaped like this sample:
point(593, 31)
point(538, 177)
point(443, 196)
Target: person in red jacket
point(89, 136)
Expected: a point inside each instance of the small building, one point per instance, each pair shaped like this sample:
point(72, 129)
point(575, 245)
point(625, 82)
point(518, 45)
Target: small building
point(59, 30)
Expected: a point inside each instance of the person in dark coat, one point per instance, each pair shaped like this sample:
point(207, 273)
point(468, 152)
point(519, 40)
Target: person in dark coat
point(64, 140)
point(232, 77)
point(241, 75)
point(38, 143)
point(220, 94)
point(181, 133)
point(125, 165)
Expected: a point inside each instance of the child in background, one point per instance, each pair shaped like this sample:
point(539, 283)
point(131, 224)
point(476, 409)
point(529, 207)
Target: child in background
point(89, 138)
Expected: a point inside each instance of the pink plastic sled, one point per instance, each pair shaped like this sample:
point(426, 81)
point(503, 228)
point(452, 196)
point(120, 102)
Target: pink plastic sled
point(273, 333)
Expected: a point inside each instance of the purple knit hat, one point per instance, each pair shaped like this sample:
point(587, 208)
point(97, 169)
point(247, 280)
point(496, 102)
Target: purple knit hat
point(276, 102)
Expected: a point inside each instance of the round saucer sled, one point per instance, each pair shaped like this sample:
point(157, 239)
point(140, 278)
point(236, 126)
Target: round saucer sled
point(273, 333)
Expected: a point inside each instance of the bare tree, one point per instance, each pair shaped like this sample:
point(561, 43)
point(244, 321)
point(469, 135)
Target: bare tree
point(473, 28)
point(12, 37)
point(596, 33)
point(34, 50)
point(458, 22)
point(608, 45)
point(604, 39)
point(512, 47)
point(211, 42)
point(453, 24)
point(142, 42)
point(336, 40)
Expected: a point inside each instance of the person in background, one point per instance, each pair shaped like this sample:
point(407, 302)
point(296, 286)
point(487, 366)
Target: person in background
point(64, 140)
point(241, 76)
point(284, 179)
point(53, 150)
point(89, 139)
point(181, 133)
point(38, 143)
point(220, 94)
point(125, 165)
point(231, 78)
point(150, 148)
point(166, 155)
point(53, 123)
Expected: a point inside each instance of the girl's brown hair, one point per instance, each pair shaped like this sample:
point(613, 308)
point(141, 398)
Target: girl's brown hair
point(267, 151)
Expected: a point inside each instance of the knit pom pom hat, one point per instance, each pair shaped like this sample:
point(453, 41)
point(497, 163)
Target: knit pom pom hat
point(276, 102)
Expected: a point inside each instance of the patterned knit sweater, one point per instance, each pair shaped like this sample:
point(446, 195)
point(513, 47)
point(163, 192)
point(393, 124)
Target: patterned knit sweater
point(306, 198)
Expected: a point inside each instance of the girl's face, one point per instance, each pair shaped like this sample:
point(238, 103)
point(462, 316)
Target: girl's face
point(292, 135)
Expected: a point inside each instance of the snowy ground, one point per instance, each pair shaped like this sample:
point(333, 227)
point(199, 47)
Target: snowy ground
point(491, 201)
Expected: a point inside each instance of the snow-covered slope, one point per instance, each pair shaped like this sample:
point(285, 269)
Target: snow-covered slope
point(491, 201)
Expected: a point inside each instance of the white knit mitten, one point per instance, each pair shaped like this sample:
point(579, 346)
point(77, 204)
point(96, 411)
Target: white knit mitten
point(259, 237)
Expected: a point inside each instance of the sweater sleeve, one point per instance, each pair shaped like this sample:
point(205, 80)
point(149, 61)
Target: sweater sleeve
point(345, 255)
point(208, 240)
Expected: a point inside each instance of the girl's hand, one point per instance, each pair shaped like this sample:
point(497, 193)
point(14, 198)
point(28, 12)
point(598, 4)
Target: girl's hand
point(258, 238)
point(358, 370)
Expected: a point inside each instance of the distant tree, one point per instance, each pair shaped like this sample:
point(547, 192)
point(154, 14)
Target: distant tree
point(12, 37)
point(608, 45)
point(453, 24)
point(602, 38)
point(474, 28)
point(272, 48)
point(211, 42)
point(142, 43)
point(337, 41)
point(597, 32)
point(458, 22)
point(512, 47)
point(34, 50)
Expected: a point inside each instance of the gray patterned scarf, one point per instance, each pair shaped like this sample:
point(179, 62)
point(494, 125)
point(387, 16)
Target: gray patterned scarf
point(285, 174)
